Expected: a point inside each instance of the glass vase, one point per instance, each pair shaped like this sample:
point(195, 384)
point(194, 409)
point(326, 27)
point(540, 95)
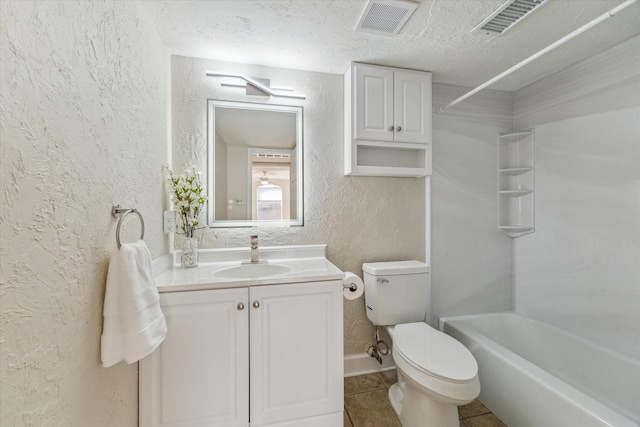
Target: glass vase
point(189, 255)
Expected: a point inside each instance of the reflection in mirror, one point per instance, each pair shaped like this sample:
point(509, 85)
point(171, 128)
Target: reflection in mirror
point(254, 164)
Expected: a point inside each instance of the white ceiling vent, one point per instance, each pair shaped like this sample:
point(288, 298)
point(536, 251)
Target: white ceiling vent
point(385, 17)
point(507, 15)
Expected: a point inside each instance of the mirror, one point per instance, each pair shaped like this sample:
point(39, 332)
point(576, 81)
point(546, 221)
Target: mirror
point(254, 168)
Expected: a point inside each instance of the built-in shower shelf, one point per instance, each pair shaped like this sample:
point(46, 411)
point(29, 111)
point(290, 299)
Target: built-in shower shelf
point(516, 136)
point(516, 228)
point(515, 193)
point(516, 183)
point(514, 171)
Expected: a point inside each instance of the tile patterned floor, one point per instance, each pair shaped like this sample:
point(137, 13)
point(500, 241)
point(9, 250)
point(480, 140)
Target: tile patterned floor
point(366, 404)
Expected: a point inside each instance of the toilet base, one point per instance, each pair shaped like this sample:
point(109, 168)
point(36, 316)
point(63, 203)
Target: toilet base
point(395, 398)
point(417, 409)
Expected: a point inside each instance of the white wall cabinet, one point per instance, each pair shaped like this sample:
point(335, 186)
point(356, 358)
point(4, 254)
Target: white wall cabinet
point(387, 121)
point(288, 337)
point(516, 183)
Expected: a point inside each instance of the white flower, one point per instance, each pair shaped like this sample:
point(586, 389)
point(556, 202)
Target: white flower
point(186, 194)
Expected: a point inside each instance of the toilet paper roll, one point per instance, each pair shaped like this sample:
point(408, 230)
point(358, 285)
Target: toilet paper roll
point(353, 286)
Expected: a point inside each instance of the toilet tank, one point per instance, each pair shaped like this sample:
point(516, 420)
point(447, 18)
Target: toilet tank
point(396, 292)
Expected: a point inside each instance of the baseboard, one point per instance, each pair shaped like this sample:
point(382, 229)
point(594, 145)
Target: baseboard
point(360, 364)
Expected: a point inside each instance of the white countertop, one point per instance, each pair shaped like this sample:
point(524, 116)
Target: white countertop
point(306, 263)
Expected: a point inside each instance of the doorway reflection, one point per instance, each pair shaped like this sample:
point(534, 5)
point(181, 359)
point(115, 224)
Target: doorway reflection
point(271, 178)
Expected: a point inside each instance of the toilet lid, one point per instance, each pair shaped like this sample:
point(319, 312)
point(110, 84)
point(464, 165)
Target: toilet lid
point(434, 352)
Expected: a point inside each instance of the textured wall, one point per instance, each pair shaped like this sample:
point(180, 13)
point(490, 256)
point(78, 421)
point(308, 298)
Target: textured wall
point(470, 259)
point(580, 270)
point(359, 218)
point(84, 90)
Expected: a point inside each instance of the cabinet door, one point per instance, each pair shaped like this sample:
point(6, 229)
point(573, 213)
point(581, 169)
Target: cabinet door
point(373, 103)
point(296, 352)
point(198, 376)
point(412, 110)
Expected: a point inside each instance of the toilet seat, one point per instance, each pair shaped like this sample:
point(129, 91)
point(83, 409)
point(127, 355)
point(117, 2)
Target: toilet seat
point(435, 362)
point(434, 353)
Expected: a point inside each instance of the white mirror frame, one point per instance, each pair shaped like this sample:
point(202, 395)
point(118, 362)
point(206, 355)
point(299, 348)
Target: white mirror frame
point(212, 104)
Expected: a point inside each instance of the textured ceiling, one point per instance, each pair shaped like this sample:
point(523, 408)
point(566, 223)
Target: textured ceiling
point(318, 35)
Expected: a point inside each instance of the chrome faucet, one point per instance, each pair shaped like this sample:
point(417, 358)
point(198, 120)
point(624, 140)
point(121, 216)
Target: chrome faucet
point(255, 258)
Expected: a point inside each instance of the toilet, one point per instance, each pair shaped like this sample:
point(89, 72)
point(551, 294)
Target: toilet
point(436, 373)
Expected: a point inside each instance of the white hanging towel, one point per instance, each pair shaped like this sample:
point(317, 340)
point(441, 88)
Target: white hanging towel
point(134, 324)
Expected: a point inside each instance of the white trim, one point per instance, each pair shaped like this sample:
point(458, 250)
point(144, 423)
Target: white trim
point(362, 363)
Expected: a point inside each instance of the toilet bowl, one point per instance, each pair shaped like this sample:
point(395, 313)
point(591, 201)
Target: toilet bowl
point(436, 373)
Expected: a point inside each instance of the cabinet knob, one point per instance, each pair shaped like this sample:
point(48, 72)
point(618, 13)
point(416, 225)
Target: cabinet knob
point(391, 128)
point(399, 128)
point(256, 304)
point(240, 306)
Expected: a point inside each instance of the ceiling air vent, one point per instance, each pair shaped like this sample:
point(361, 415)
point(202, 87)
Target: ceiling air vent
point(385, 17)
point(507, 15)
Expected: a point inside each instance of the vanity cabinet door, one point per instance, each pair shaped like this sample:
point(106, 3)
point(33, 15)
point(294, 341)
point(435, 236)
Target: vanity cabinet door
point(198, 376)
point(296, 354)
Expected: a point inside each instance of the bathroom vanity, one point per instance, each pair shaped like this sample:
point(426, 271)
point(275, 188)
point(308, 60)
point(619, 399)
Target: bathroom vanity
point(248, 343)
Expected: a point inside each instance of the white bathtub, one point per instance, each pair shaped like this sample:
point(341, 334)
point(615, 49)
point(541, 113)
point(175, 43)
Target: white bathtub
point(535, 375)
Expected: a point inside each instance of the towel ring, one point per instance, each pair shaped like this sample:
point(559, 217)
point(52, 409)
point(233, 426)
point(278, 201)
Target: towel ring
point(117, 211)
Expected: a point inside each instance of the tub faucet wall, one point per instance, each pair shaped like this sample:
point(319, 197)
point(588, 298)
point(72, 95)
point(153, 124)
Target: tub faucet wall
point(580, 270)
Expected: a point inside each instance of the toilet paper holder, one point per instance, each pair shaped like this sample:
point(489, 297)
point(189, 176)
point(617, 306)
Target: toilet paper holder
point(352, 287)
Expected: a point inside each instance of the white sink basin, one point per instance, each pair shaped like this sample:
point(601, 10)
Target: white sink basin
point(252, 271)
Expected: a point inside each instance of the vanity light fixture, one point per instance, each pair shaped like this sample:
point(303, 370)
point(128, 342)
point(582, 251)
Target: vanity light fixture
point(260, 87)
point(264, 180)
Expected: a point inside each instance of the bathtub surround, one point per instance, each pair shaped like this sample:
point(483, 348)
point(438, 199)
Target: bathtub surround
point(580, 270)
point(361, 219)
point(84, 119)
point(470, 261)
